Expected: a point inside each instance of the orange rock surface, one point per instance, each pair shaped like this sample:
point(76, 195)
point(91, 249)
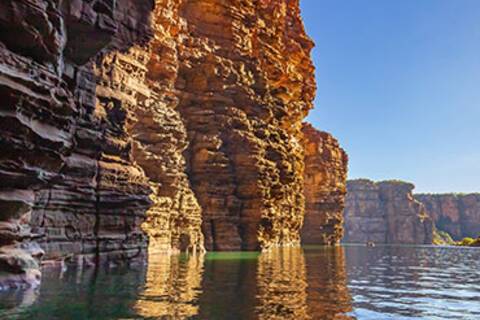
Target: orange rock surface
point(133, 122)
point(245, 83)
point(325, 187)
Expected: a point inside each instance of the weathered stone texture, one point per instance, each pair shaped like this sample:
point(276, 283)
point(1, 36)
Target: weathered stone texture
point(245, 83)
point(88, 143)
point(457, 214)
point(385, 212)
point(117, 112)
point(325, 187)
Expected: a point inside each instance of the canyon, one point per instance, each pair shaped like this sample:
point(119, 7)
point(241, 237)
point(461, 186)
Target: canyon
point(173, 125)
point(385, 212)
point(456, 214)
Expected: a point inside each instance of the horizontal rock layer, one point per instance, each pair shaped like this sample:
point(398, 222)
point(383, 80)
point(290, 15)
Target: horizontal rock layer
point(385, 212)
point(457, 214)
point(124, 121)
point(245, 83)
point(325, 187)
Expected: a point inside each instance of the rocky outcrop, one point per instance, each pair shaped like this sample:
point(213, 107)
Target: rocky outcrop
point(245, 82)
point(385, 212)
point(325, 187)
point(74, 83)
point(46, 105)
point(456, 214)
point(126, 120)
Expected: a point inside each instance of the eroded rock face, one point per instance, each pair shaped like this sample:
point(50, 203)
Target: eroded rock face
point(183, 114)
point(75, 87)
point(325, 187)
point(385, 212)
point(457, 214)
point(64, 138)
point(245, 83)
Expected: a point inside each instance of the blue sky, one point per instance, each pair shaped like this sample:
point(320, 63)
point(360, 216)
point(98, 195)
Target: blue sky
point(399, 86)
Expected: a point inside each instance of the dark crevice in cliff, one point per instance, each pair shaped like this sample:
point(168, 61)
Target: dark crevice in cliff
point(456, 214)
point(96, 226)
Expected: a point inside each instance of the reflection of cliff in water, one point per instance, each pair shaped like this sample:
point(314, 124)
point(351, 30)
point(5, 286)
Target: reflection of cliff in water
point(283, 283)
point(172, 287)
point(328, 294)
point(229, 286)
point(13, 302)
point(282, 286)
point(297, 284)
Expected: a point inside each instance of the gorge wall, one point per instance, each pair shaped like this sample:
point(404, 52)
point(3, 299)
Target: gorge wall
point(72, 84)
point(456, 214)
point(127, 121)
point(325, 187)
point(245, 83)
point(385, 212)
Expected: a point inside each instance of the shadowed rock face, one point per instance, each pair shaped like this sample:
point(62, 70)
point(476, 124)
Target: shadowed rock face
point(325, 187)
point(126, 119)
point(385, 212)
point(66, 163)
point(457, 214)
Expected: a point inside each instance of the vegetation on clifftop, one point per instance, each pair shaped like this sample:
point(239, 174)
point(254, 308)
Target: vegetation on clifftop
point(469, 242)
point(442, 238)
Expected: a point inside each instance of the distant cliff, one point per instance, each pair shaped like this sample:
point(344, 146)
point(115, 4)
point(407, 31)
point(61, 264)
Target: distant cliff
point(456, 214)
point(385, 212)
point(325, 187)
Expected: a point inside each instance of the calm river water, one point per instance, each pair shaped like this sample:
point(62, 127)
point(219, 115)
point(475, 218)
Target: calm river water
point(350, 282)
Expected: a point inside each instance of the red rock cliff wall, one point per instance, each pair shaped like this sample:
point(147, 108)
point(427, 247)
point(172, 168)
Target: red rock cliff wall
point(112, 110)
point(385, 212)
point(457, 214)
point(58, 157)
point(325, 187)
point(245, 84)
point(90, 139)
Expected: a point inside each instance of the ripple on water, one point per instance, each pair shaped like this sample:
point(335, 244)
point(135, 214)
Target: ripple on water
point(414, 283)
point(291, 283)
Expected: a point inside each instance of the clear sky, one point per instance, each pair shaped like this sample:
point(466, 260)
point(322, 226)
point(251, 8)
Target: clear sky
point(399, 86)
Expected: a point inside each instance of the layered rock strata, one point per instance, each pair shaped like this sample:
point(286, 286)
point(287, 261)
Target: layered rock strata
point(456, 214)
point(183, 114)
point(385, 212)
point(325, 180)
point(75, 86)
point(245, 83)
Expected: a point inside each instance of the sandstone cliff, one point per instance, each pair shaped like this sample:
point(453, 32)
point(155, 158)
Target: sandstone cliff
point(457, 214)
point(385, 212)
point(125, 120)
point(71, 78)
point(325, 187)
point(245, 83)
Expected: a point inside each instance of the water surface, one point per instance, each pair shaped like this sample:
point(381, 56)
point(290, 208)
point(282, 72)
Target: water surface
point(352, 282)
